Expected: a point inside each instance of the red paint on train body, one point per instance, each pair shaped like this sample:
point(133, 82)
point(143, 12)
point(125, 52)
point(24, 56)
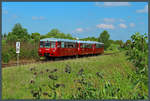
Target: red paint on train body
point(52, 47)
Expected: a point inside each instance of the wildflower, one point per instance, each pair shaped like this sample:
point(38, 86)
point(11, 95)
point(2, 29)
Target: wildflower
point(32, 68)
point(45, 93)
point(99, 74)
point(52, 77)
point(79, 88)
point(35, 73)
point(55, 70)
point(47, 70)
point(41, 72)
point(80, 71)
point(57, 85)
point(68, 69)
point(35, 94)
point(32, 81)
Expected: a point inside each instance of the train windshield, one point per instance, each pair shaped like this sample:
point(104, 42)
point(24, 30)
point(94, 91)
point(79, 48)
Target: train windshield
point(41, 44)
point(47, 45)
point(52, 44)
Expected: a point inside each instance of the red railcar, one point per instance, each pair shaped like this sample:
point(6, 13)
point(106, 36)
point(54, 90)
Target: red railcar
point(53, 47)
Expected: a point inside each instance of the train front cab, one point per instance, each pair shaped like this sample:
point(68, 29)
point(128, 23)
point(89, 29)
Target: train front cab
point(47, 48)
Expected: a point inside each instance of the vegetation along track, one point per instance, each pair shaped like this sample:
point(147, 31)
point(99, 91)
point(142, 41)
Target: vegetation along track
point(4, 65)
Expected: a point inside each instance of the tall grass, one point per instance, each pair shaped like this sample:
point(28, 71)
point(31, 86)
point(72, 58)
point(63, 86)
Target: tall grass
point(98, 77)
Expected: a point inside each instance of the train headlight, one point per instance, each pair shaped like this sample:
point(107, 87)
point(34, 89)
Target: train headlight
point(54, 50)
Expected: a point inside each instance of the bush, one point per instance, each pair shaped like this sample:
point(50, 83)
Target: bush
point(6, 57)
point(138, 54)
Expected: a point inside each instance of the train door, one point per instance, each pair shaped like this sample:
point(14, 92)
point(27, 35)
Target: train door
point(62, 49)
point(58, 45)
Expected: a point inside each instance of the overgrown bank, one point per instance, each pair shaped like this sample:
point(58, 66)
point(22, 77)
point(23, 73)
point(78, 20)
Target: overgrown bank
point(98, 77)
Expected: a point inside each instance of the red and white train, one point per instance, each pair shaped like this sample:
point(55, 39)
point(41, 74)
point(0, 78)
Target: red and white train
point(54, 47)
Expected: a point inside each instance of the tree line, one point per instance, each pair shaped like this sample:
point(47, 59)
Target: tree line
point(30, 41)
point(21, 34)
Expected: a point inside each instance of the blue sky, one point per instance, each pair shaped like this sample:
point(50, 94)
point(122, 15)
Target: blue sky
point(81, 19)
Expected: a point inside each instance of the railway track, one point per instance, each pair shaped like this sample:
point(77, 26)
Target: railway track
point(42, 61)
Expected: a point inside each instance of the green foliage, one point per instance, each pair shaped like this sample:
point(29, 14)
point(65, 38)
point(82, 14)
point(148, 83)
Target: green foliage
point(113, 47)
point(6, 57)
point(89, 39)
point(119, 42)
point(88, 79)
point(137, 50)
point(126, 44)
point(104, 38)
point(35, 36)
point(18, 34)
point(5, 35)
point(55, 33)
point(12, 52)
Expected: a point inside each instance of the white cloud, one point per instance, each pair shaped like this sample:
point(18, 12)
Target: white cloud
point(38, 18)
point(109, 20)
point(113, 4)
point(79, 30)
point(121, 20)
point(105, 26)
point(132, 24)
point(144, 10)
point(122, 25)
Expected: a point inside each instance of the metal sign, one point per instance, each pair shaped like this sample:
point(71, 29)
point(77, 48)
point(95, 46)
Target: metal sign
point(17, 47)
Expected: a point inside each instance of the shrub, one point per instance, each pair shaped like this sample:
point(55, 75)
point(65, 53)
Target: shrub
point(6, 57)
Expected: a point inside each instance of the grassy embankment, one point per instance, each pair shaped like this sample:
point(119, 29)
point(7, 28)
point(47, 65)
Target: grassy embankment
point(111, 75)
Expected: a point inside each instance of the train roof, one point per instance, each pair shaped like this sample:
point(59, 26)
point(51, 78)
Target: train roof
point(57, 39)
point(67, 40)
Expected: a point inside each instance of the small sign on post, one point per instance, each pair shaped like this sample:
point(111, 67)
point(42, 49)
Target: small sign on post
point(17, 51)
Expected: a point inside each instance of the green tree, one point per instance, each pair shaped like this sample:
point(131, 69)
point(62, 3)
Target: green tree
point(35, 36)
point(53, 33)
point(104, 38)
point(119, 42)
point(18, 34)
point(5, 35)
point(90, 39)
point(112, 41)
point(127, 43)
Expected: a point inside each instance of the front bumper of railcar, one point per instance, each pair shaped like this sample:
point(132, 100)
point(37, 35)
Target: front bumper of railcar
point(49, 52)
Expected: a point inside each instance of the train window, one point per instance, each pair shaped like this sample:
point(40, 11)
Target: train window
point(98, 46)
point(53, 44)
point(81, 45)
point(66, 44)
point(70, 45)
point(41, 44)
point(74, 45)
point(47, 45)
point(90, 45)
point(62, 45)
point(77, 45)
point(86, 45)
